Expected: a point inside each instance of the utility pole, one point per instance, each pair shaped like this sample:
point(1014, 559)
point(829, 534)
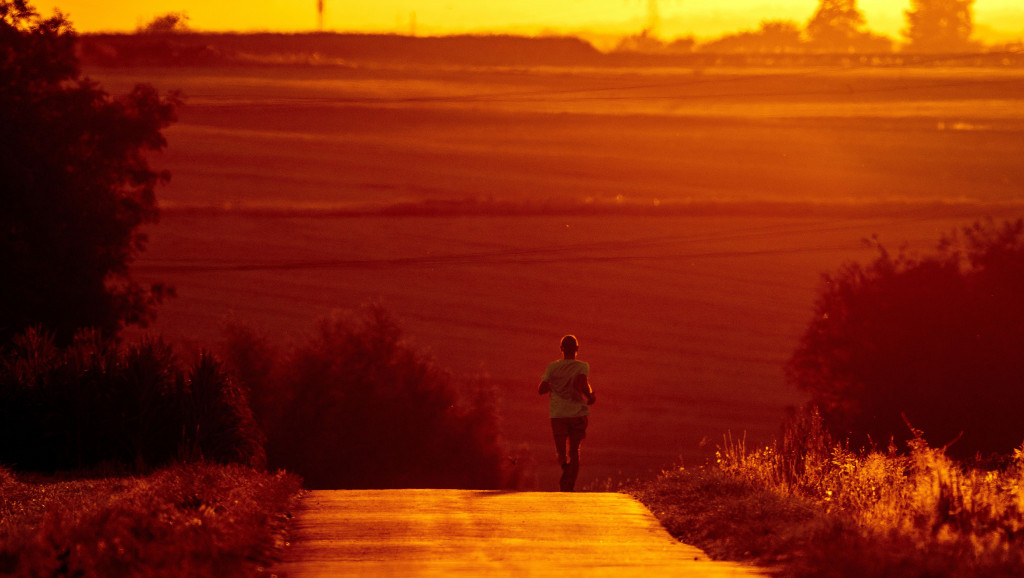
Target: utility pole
point(320, 15)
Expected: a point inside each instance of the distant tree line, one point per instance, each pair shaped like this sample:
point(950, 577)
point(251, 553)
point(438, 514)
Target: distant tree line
point(838, 27)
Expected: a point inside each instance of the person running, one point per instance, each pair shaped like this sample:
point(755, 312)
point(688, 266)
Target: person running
point(571, 394)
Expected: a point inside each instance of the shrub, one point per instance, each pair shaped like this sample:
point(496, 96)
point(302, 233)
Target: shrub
point(96, 403)
point(933, 340)
point(352, 405)
point(218, 422)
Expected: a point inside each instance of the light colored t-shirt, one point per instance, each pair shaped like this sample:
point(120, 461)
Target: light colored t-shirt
point(566, 401)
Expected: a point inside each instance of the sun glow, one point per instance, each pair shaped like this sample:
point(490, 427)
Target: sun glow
point(672, 18)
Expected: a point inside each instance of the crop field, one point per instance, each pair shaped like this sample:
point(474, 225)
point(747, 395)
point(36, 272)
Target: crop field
point(676, 221)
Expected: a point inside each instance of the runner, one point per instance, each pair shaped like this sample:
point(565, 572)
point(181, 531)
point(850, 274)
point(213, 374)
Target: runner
point(571, 394)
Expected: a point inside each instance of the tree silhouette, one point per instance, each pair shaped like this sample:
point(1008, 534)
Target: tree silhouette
point(170, 23)
point(933, 340)
point(835, 22)
point(75, 185)
point(353, 405)
point(838, 26)
point(939, 25)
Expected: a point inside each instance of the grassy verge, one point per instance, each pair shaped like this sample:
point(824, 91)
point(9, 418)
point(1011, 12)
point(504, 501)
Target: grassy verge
point(184, 520)
point(806, 507)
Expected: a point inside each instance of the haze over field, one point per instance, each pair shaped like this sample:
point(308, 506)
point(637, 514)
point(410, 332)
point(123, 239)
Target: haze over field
point(676, 221)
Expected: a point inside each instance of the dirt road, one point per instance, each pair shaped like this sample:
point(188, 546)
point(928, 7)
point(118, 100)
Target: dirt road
point(486, 533)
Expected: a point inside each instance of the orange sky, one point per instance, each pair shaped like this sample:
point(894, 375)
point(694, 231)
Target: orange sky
point(995, 19)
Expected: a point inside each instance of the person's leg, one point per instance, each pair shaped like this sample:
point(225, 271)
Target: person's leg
point(577, 432)
point(560, 443)
point(560, 429)
point(572, 468)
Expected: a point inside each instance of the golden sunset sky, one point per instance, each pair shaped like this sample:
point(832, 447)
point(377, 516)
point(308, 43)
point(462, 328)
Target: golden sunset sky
point(994, 19)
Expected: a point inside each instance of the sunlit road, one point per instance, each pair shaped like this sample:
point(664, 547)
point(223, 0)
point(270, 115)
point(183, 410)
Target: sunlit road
point(486, 533)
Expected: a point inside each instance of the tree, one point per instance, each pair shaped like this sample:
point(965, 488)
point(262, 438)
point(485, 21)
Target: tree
point(170, 23)
point(934, 341)
point(838, 26)
point(835, 22)
point(75, 182)
point(939, 25)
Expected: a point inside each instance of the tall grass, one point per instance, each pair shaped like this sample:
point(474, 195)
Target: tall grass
point(813, 507)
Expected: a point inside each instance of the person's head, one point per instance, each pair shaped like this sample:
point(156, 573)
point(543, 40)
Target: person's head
point(570, 345)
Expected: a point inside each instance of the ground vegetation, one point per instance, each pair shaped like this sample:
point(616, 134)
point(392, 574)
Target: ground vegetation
point(199, 520)
point(809, 506)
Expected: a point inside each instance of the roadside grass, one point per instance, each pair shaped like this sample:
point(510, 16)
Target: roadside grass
point(807, 506)
point(184, 520)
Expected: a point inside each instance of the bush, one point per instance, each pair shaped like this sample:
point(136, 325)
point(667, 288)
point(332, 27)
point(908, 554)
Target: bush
point(931, 340)
point(354, 406)
point(95, 403)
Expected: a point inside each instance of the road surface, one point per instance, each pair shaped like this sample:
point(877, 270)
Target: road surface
point(410, 533)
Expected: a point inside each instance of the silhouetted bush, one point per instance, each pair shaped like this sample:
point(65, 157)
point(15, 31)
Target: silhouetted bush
point(94, 403)
point(354, 406)
point(218, 422)
point(931, 341)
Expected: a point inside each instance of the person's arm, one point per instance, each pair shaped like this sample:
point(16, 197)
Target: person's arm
point(544, 388)
point(582, 385)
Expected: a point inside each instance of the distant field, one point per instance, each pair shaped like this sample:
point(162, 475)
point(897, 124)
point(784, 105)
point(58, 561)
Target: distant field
point(676, 221)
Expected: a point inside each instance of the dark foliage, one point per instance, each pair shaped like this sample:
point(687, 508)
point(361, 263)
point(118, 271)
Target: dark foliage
point(940, 26)
point(354, 406)
point(930, 341)
point(94, 404)
point(170, 23)
point(838, 27)
point(75, 185)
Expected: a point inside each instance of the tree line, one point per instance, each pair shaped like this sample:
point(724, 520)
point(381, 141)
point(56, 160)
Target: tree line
point(838, 27)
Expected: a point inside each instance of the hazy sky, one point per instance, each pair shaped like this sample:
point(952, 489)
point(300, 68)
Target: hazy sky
point(677, 17)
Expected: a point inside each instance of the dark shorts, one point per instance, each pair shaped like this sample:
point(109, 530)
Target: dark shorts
point(571, 427)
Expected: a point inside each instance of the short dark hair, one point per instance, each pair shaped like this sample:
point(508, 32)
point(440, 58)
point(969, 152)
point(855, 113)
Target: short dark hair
point(570, 342)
